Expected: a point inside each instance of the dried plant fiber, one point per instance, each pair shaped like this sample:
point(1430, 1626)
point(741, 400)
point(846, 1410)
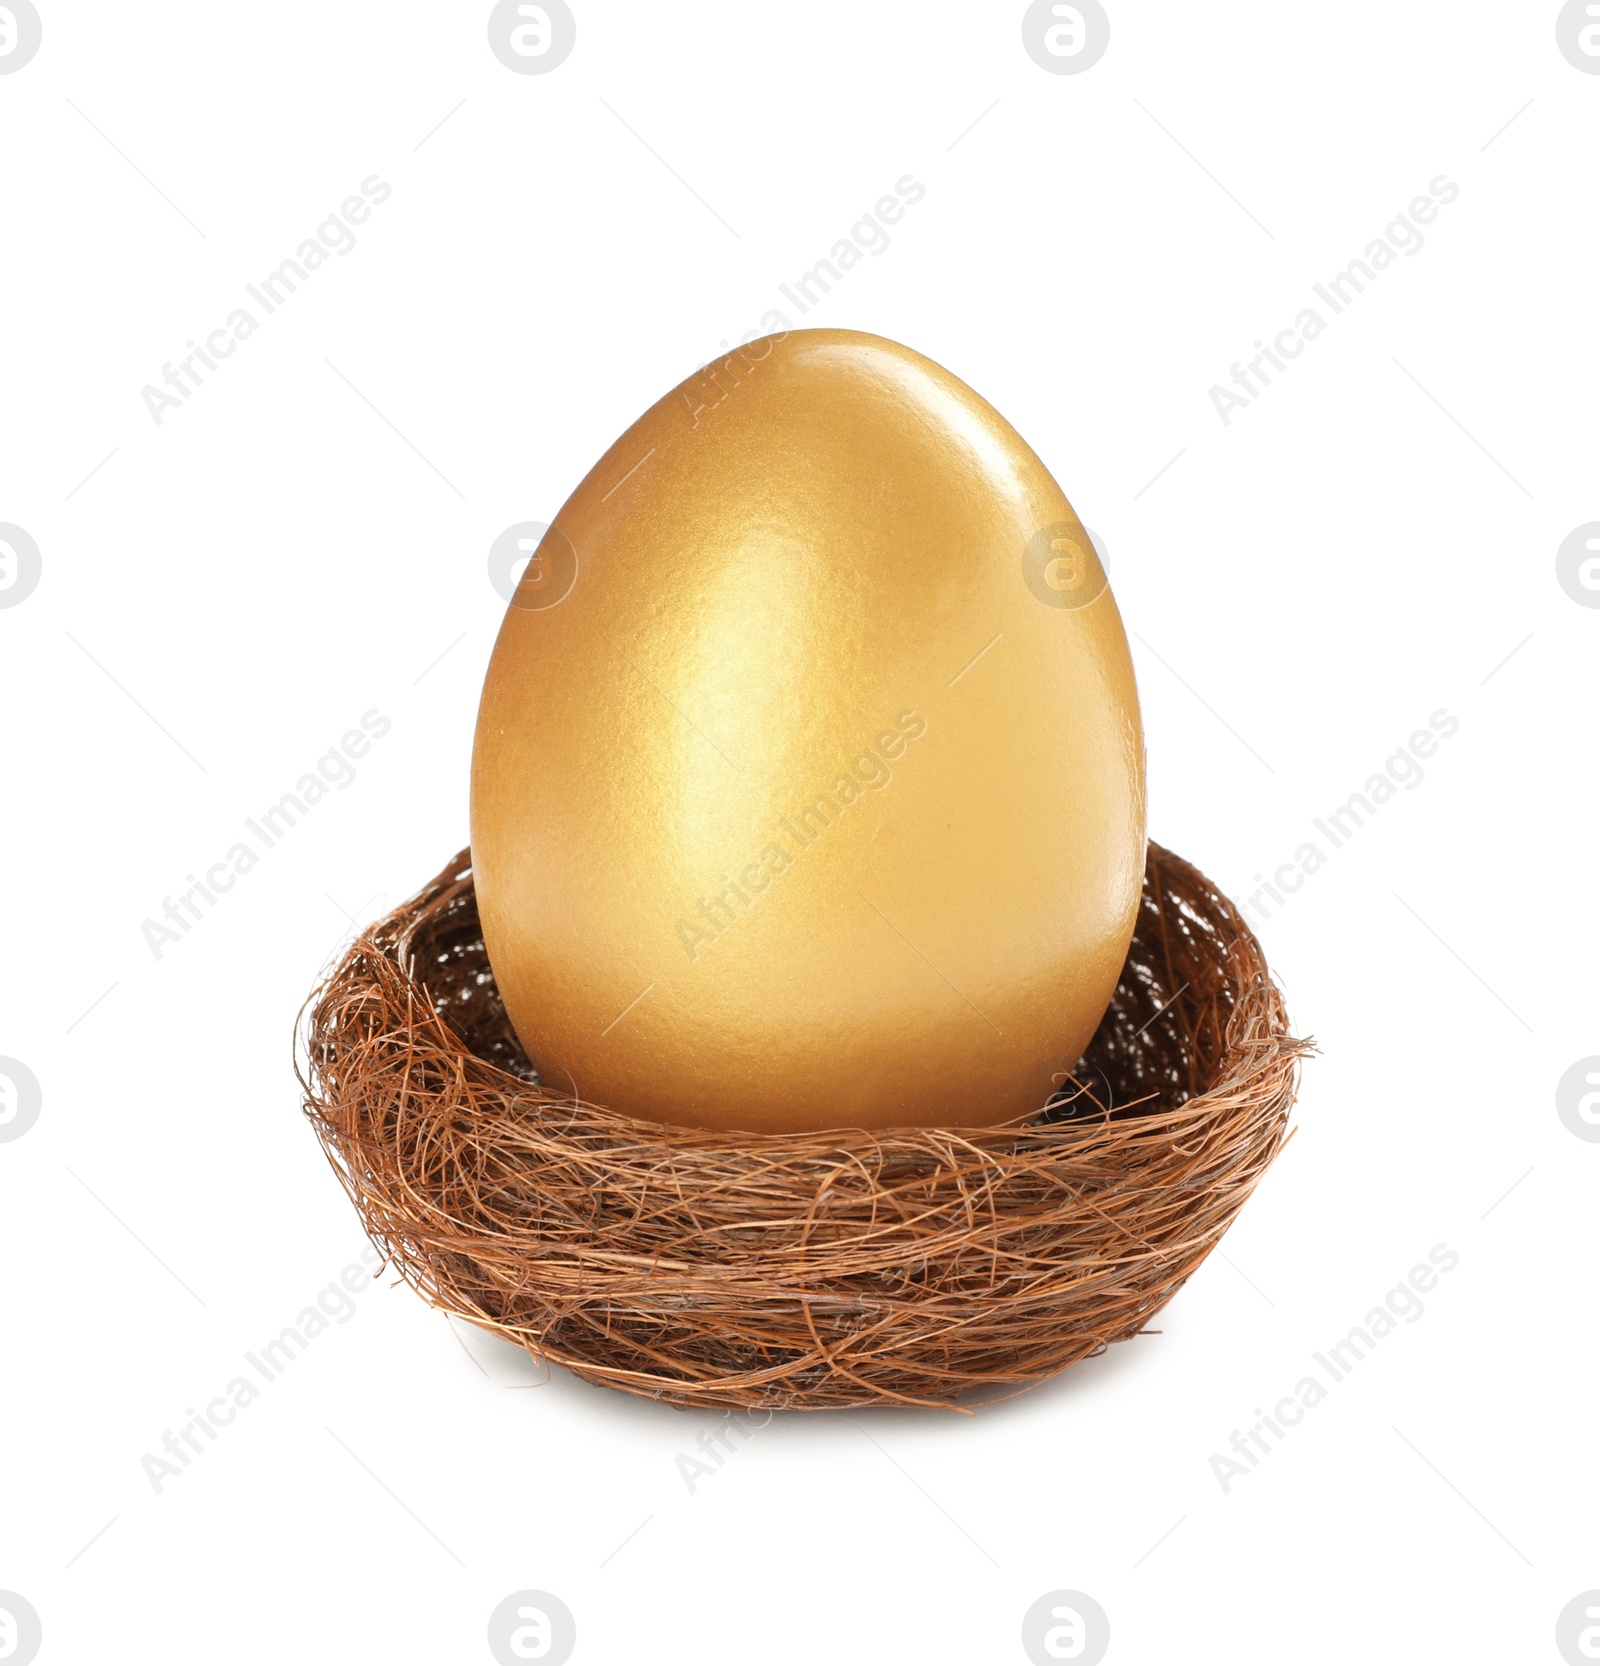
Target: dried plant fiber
point(917, 1266)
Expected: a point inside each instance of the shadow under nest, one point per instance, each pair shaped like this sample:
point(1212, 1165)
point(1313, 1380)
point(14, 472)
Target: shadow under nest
point(915, 1266)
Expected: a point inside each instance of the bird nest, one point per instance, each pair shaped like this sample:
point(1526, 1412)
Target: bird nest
point(912, 1266)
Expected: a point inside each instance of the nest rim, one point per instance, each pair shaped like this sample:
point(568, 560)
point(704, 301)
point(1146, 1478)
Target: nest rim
point(906, 1266)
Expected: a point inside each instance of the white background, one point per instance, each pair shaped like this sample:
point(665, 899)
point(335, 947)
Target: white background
point(232, 589)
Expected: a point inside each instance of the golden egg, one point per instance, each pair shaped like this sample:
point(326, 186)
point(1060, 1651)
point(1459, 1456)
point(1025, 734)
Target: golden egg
point(808, 785)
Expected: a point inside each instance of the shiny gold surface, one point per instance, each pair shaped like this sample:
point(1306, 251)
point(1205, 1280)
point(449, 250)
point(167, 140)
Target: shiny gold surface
point(808, 786)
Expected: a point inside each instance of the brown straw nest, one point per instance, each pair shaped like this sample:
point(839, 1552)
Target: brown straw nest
point(917, 1266)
